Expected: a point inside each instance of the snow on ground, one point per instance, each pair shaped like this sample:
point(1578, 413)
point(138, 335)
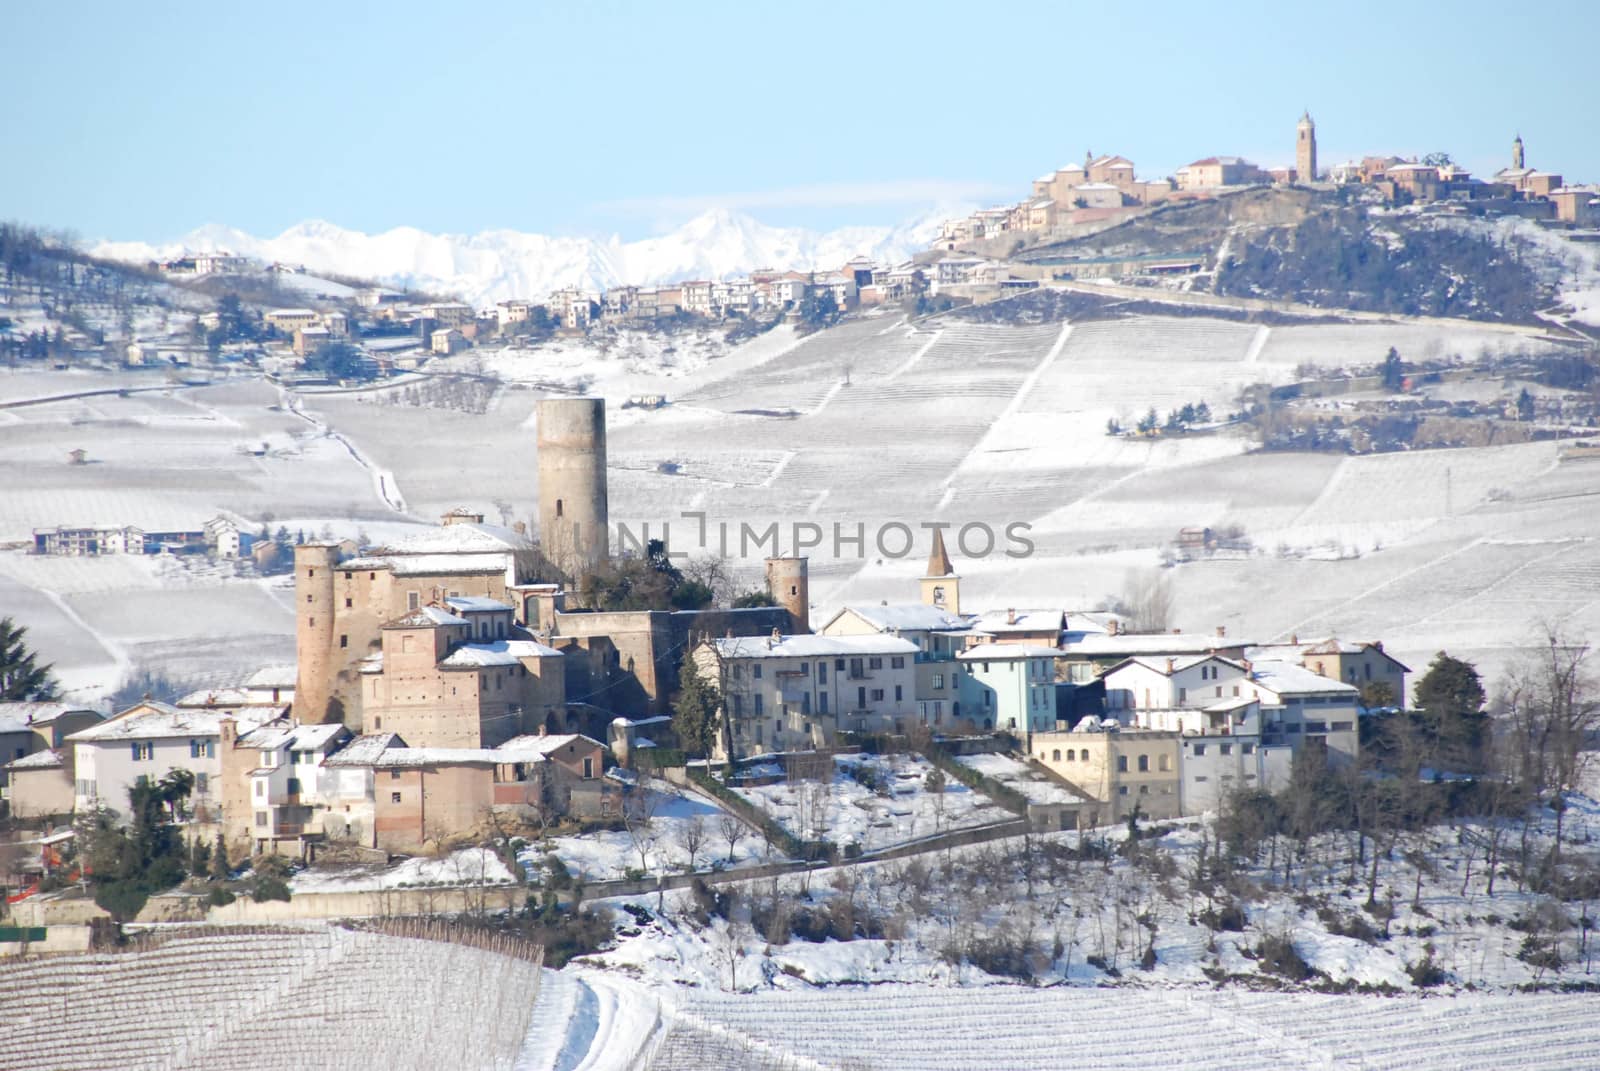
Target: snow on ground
point(659, 845)
point(466, 866)
point(898, 809)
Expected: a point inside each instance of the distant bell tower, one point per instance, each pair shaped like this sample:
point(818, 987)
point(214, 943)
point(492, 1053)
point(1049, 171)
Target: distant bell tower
point(941, 586)
point(1516, 154)
point(1305, 149)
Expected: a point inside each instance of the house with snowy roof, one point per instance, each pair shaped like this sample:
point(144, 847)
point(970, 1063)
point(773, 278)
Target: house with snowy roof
point(32, 731)
point(149, 740)
point(273, 785)
point(389, 794)
point(461, 674)
point(939, 636)
point(1378, 676)
point(1008, 686)
point(796, 692)
point(39, 785)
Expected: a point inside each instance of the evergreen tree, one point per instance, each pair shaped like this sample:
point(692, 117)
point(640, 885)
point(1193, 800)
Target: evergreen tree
point(694, 712)
point(1394, 376)
point(22, 678)
point(1450, 699)
point(1524, 405)
point(220, 868)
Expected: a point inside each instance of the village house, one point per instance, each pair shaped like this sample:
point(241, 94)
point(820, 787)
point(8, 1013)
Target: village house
point(1009, 686)
point(785, 693)
point(38, 785)
point(32, 729)
point(148, 740)
point(273, 786)
point(288, 321)
point(938, 635)
point(1216, 172)
point(1122, 769)
point(446, 341)
point(1363, 665)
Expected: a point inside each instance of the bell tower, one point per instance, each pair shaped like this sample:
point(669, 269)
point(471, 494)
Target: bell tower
point(941, 586)
point(1516, 154)
point(1305, 150)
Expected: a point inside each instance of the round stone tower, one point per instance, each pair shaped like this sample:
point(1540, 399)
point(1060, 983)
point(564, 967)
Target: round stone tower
point(573, 520)
point(789, 583)
point(314, 631)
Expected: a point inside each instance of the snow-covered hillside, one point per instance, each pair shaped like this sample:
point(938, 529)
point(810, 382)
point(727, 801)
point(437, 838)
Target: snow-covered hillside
point(496, 265)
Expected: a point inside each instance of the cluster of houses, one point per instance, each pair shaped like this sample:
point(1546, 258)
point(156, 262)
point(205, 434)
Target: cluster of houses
point(1105, 189)
point(440, 686)
point(220, 536)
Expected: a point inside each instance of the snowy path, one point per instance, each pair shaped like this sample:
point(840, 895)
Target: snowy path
point(383, 481)
point(590, 1021)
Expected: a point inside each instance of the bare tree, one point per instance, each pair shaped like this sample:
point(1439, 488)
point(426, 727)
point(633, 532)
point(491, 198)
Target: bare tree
point(733, 830)
point(693, 838)
point(638, 818)
point(1147, 600)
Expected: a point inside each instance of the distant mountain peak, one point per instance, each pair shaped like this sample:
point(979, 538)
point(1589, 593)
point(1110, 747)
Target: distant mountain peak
point(495, 265)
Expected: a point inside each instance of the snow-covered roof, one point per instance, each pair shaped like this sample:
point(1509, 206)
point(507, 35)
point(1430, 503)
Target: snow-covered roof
point(907, 617)
point(497, 653)
point(217, 697)
point(999, 622)
point(1003, 652)
point(364, 750)
point(1179, 663)
point(1228, 705)
point(1286, 678)
point(460, 538)
point(18, 717)
point(152, 720)
point(1105, 645)
point(1095, 186)
point(451, 564)
point(426, 617)
point(272, 677)
point(533, 744)
point(477, 604)
point(284, 734)
point(39, 760)
point(811, 646)
point(291, 312)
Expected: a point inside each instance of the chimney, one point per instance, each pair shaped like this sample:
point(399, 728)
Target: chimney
point(1377, 645)
point(1294, 639)
point(728, 634)
point(774, 639)
point(1113, 627)
point(1011, 616)
point(520, 527)
point(1222, 631)
point(1171, 665)
point(544, 729)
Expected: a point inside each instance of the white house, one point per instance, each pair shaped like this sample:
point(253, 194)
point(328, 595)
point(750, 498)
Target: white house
point(147, 740)
point(1009, 686)
point(223, 536)
point(794, 692)
point(939, 636)
point(288, 786)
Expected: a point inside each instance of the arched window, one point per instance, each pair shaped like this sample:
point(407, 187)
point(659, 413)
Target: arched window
point(1072, 755)
point(1055, 755)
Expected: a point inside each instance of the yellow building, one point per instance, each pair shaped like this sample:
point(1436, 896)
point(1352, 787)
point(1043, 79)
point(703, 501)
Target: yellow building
point(1122, 768)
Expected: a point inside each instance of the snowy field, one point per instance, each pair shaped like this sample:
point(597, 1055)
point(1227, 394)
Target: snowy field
point(876, 420)
point(899, 809)
point(464, 867)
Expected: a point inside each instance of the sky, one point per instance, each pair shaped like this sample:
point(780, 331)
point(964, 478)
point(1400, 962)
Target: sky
point(145, 121)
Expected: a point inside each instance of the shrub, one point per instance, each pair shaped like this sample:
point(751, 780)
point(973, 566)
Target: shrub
point(1277, 955)
point(268, 887)
point(220, 896)
point(1224, 916)
point(1425, 973)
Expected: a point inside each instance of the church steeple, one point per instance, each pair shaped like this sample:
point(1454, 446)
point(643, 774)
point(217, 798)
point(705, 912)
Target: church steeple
point(1516, 154)
point(941, 586)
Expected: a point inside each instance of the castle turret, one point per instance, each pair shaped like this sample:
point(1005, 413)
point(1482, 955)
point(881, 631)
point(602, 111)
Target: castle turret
point(573, 512)
point(315, 632)
point(788, 581)
point(1305, 149)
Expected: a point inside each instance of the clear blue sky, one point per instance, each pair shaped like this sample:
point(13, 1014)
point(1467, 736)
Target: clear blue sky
point(142, 121)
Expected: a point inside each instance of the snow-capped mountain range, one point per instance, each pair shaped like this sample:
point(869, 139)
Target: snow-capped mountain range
point(496, 265)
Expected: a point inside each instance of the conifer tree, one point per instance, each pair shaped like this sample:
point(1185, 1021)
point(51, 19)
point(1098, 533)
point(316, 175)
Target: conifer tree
point(22, 678)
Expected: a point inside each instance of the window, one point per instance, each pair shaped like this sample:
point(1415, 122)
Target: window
point(1072, 755)
point(897, 662)
point(877, 695)
point(898, 696)
point(755, 671)
point(311, 622)
point(261, 819)
point(759, 704)
point(861, 697)
point(1144, 763)
point(805, 703)
point(394, 775)
point(1164, 763)
point(822, 673)
point(1123, 790)
point(1183, 694)
point(294, 786)
point(938, 682)
point(1236, 690)
point(143, 752)
point(1122, 764)
point(394, 797)
point(1055, 755)
point(805, 669)
point(738, 706)
point(857, 667)
point(1199, 749)
point(588, 767)
point(822, 703)
point(1226, 749)
point(1200, 777)
point(344, 640)
point(738, 671)
point(310, 598)
point(874, 663)
point(777, 727)
point(1144, 790)
point(194, 749)
point(413, 600)
point(1342, 726)
point(1247, 749)
point(838, 665)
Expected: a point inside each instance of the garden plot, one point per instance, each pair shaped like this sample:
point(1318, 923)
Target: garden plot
point(1035, 786)
point(657, 842)
point(464, 867)
point(874, 802)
